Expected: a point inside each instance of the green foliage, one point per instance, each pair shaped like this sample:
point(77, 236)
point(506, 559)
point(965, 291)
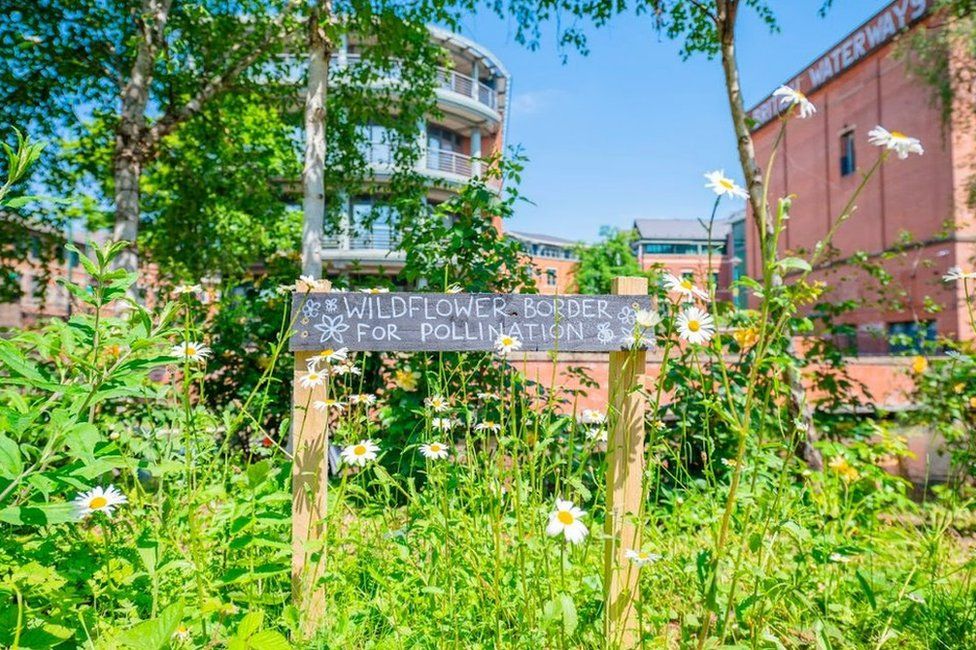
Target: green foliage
point(612, 257)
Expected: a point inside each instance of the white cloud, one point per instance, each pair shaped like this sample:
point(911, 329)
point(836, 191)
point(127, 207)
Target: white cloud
point(535, 101)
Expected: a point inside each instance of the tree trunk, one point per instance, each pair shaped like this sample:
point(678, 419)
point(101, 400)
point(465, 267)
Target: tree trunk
point(129, 155)
point(725, 24)
point(313, 173)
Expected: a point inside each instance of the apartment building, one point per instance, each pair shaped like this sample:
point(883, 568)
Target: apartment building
point(553, 260)
point(913, 220)
point(472, 100)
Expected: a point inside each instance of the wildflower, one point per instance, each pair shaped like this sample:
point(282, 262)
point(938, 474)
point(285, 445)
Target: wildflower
point(916, 598)
point(330, 356)
point(506, 343)
point(312, 378)
point(489, 396)
point(324, 405)
point(437, 404)
point(790, 97)
point(375, 290)
point(488, 425)
point(647, 318)
point(443, 424)
point(565, 519)
point(99, 499)
point(309, 283)
point(181, 633)
point(722, 185)
point(113, 350)
point(919, 365)
point(956, 273)
point(186, 289)
point(684, 286)
point(597, 434)
point(406, 380)
point(838, 558)
point(347, 367)
point(695, 326)
point(366, 399)
point(746, 337)
point(190, 351)
point(843, 469)
point(731, 463)
point(592, 416)
point(895, 141)
point(640, 558)
point(360, 453)
point(972, 402)
point(434, 451)
point(455, 288)
point(636, 341)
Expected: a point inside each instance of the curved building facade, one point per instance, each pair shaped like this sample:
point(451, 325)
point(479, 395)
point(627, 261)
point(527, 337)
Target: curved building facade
point(472, 101)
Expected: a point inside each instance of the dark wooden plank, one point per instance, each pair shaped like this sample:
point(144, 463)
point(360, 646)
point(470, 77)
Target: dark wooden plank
point(462, 322)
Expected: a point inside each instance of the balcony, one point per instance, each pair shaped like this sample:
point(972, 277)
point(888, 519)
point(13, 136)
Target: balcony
point(366, 247)
point(472, 98)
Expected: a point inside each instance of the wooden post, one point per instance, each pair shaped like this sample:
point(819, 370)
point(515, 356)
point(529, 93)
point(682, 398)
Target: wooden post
point(625, 471)
point(309, 497)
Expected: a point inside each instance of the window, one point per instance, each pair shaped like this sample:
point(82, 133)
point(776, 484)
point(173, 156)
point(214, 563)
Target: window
point(910, 337)
point(669, 248)
point(848, 164)
point(551, 277)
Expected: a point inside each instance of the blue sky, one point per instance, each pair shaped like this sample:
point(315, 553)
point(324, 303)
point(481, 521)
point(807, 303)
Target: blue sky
point(628, 131)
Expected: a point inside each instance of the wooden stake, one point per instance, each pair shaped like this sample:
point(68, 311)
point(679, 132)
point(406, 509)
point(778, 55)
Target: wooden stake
point(625, 471)
point(309, 497)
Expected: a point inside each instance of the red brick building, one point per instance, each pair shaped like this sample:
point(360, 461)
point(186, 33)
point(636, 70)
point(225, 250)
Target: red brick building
point(912, 219)
point(553, 259)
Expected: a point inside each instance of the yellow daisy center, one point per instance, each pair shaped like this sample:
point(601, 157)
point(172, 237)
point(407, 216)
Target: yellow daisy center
point(435, 447)
point(328, 352)
point(507, 341)
point(190, 351)
point(98, 502)
point(359, 450)
point(898, 135)
point(643, 555)
point(686, 284)
point(565, 517)
point(694, 325)
point(726, 183)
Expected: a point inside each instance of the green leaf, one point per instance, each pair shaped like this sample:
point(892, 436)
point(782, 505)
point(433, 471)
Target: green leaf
point(866, 588)
point(250, 624)
point(569, 616)
point(793, 264)
point(39, 515)
point(11, 460)
point(268, 640)
point(81, 440)
point(154, 634)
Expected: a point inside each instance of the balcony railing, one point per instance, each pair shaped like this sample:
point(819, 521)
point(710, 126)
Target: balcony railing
point(379, 237)
point(448, 80)
point(450, 162)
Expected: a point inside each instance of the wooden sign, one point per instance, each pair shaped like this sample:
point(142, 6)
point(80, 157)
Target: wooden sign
point(400, 322)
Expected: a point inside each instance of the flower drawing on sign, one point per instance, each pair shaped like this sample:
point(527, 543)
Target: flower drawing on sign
point(627, 316)
point(311, 308)
point(332, 328)
point(603, 333)
point(332, 305)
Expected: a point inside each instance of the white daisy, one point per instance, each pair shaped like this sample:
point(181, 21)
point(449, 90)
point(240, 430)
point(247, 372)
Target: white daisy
point(895, 141)
point(455, 288)
point(722, 185)
point(437, 403)
point(360, 453)
point(592, 416)
point(375, 290)
point(565, 519)
point(312, 378)
point(488, 425)
point(506, 343)
point(324, 405)
point(366, 399)
point(640, 558)
point(347, 367)
point(790, 97)
point(599, 435)
point(638, 341)
point(956, 273)
point(489, 396)
point(695, 326)
point(330, 356)
point(98, 499)
point(647, 318)
point(190, 351)
point(443, 424)
point(683, 286)
point(434, 451)
point(186, 289)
